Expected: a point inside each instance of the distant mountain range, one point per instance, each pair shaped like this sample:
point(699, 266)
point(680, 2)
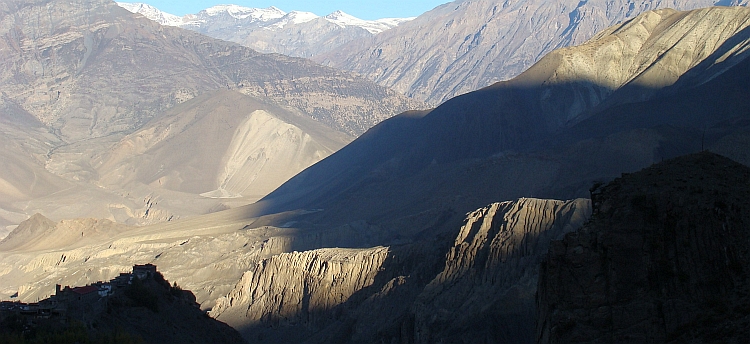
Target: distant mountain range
point(271, 30)
point(453, 49)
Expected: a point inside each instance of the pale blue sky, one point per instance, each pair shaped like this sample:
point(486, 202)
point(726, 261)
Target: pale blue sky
point(364, 9)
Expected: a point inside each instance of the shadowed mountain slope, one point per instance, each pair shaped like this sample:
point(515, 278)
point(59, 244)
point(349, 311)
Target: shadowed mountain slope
point(563, 123)
point(663, 259)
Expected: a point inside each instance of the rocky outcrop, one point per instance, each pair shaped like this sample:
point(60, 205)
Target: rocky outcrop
point(299, 287)
point(399, 293)
point(663, 259)
point(138, 307)
point(466, 45)
point(486, 290)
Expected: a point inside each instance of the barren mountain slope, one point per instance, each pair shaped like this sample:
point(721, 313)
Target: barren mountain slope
point(40, 233)
point(79, 76)
point(90, 69)
point(221, 145)
point(466, 45)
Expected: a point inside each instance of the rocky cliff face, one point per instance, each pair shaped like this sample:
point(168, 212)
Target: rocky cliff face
point(466, 45)
point(399, 293)
point(298, 287)
point(664, 258)
point(486, 289)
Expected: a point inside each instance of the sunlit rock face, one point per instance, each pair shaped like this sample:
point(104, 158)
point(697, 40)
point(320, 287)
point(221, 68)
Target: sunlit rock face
point(424, 295)
point(294, 287)
point(490, 273)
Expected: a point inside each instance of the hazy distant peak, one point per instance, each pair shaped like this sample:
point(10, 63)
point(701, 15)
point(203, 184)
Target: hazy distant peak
point(240, 12)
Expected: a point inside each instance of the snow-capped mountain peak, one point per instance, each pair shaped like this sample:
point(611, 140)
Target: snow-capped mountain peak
point(341, 15)
point(152, 13)
point(344, 19)
point(295, 17)
point(271, 30)
point(273, 16)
